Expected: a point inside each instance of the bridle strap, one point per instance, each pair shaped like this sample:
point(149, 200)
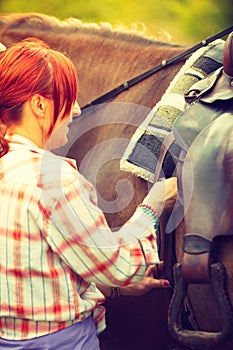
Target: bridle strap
point(165, 63)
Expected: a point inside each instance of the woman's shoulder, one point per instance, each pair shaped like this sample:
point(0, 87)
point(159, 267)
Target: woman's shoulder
point(54, 168)
point(39, 167)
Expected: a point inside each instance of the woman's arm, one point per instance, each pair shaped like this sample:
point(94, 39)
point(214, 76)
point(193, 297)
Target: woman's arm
point(151, 280)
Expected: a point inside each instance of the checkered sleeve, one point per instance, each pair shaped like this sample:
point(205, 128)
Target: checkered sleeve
point(78, 232)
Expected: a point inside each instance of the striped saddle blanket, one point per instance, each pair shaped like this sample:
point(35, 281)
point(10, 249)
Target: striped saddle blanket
point(142, 153)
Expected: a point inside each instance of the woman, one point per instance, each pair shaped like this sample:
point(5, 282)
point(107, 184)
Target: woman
point(55, 243)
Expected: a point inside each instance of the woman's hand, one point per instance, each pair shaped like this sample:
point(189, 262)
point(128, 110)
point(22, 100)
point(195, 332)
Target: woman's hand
point(162, 195)
point(150, 281)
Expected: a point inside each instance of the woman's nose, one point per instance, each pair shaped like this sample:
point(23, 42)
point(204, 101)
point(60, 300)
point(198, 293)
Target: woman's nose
point(76, 109)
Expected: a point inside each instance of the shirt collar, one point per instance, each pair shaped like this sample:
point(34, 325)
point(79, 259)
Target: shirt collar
point(16, 138)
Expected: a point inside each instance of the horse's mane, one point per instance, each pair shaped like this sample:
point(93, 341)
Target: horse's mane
point(42, 22)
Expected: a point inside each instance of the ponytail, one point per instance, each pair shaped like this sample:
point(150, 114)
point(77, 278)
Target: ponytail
point(4, 147)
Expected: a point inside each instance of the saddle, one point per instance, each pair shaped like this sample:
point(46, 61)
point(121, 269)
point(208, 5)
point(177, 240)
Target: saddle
point(208, 99)
point(213, 95)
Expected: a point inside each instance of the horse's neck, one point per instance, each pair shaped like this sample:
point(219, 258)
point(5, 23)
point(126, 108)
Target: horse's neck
point(103, 59)
point(105, 63)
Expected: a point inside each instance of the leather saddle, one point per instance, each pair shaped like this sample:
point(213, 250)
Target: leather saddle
point(214, 96)
point(208, 99)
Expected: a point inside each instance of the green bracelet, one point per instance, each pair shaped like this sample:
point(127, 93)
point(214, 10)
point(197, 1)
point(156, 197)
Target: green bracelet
point(151, 212)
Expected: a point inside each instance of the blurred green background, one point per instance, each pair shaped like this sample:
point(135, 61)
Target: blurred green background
point(180, 21)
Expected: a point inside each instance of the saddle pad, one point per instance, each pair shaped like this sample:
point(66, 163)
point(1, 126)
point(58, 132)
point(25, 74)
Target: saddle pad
point(142, 153)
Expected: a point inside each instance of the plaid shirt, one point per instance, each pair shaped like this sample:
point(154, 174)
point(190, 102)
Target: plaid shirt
point(56, 244)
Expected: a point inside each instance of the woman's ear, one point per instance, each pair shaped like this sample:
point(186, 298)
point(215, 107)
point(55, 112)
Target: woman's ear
point(38, 105)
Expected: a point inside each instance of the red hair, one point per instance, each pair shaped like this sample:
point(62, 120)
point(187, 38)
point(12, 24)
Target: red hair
point(30, 67)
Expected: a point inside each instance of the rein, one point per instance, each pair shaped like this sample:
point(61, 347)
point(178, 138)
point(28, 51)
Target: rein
point(165, 63)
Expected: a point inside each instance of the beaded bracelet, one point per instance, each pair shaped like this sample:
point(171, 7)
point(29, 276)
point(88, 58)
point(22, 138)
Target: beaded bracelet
point(151, 212)
point(116, 293)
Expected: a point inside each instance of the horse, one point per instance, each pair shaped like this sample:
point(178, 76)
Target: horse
point(104, 58)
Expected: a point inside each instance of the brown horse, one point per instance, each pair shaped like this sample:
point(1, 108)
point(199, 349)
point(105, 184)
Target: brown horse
point(104, 59)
